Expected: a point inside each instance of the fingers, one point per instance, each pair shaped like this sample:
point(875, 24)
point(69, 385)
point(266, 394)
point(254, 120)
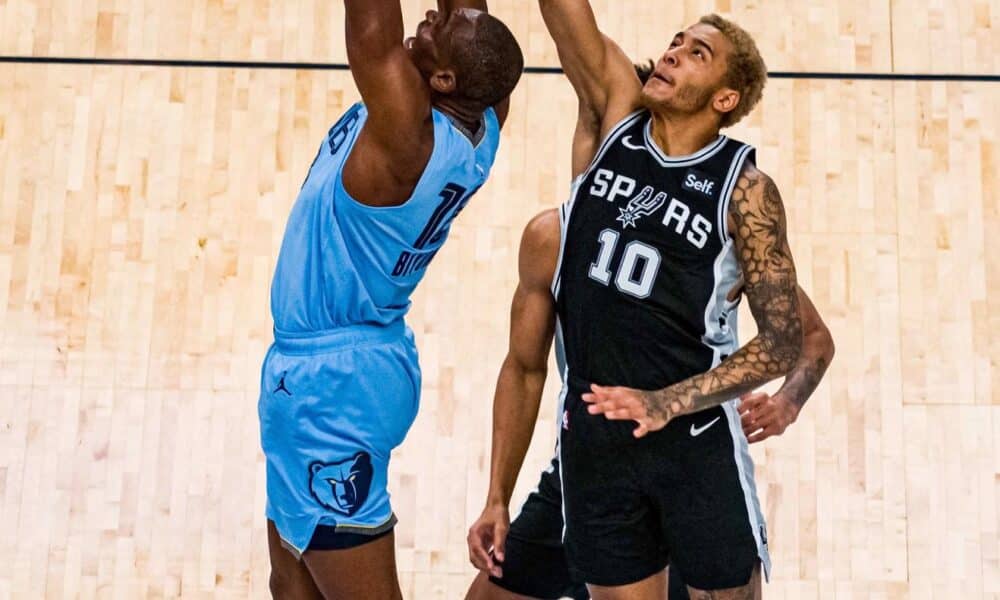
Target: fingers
point(762, 435)
point(613, 403)
point(478, 555)
point(751, 399)
point(761, 416)
point(499, 543)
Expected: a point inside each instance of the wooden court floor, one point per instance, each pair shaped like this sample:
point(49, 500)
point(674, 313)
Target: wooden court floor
point(141, 211)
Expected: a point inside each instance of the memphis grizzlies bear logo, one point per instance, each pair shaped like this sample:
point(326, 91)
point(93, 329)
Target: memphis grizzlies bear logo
point(343, 486)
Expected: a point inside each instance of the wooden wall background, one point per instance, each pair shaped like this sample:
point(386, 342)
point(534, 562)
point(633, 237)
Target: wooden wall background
point(141, 211)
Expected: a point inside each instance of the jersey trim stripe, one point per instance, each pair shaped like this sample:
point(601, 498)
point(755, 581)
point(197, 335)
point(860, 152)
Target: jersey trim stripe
point(564, 209)
point(735, 170)
point(681, 161)
point(744, 466)
point(726, 272)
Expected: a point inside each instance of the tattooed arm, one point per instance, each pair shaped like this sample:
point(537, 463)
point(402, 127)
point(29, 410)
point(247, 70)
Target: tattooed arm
point(757, 224)
point(763, 415)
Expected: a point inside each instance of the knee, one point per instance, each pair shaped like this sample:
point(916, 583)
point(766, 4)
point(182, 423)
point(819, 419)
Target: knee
point(278, 584)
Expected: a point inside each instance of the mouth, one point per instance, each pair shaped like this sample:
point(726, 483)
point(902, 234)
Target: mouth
point(664, 78)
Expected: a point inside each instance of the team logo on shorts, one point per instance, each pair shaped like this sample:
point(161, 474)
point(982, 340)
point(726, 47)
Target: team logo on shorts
point(342, 486)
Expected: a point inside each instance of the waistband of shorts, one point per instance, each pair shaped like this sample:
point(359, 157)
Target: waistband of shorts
point(314, 342)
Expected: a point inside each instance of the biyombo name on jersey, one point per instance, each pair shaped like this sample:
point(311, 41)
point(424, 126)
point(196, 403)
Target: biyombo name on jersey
point(677, 217)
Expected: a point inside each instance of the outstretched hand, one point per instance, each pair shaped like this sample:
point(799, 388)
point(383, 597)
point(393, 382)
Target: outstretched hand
point(623, 404)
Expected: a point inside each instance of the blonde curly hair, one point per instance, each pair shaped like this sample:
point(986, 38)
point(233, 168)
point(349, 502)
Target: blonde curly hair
point(746, 72)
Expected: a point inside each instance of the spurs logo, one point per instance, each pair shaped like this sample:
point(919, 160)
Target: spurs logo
point(640, 206)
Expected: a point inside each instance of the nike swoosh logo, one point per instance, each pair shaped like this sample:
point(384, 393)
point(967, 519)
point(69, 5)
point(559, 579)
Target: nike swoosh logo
point(627, 142)
point(696, 431)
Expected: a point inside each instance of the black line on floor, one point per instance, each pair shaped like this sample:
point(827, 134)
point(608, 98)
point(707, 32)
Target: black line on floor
point(233, 64)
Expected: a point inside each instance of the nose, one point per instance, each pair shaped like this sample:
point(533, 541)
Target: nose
point(670, 57)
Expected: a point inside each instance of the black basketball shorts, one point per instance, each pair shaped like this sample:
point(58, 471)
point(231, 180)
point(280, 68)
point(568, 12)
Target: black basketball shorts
point(683, 495)
point(535, 562)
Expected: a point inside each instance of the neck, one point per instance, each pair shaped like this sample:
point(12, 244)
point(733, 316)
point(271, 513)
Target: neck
point(466, 115)
point(680, 135)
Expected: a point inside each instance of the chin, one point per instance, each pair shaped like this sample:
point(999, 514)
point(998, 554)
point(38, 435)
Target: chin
point(652, 100)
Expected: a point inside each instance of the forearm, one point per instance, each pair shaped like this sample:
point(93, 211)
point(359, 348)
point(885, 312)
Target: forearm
point(373, 28)
point(763, 359)
point(515, 410)
point(817, 354)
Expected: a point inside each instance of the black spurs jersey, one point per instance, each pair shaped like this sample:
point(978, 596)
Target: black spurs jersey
point(646, 261)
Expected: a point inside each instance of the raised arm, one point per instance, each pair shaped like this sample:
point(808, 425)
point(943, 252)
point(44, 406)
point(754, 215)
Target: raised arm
point(603, 77)
point(446, 5)
point(758, 226)
point(394, 93)
point(519, 387)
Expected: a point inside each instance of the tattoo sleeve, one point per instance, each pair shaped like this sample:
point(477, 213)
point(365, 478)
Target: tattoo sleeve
point(817, 354)
point(757, 220)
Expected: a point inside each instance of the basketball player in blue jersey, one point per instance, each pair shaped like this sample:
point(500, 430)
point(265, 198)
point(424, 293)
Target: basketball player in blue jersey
point(665, 216)
point(340, 385)
point(534, 562)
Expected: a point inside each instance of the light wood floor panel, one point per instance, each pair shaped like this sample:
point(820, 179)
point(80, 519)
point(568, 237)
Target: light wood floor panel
point(946, 37)
point(848, 35)
point(949, 206)
point(140, 216)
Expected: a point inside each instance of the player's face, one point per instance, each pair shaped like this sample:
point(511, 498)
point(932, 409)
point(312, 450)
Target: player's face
point(690, 72)
point(439, 36)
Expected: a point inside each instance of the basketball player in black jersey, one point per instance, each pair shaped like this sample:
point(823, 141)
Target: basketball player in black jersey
point(534, 564)
point(664, 216)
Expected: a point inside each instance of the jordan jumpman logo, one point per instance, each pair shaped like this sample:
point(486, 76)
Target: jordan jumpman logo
point(281, 386)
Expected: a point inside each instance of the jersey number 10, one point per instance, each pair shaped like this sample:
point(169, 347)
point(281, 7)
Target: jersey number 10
point(637, 270)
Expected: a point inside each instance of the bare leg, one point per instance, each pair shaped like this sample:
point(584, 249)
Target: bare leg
point(367, 572)
point(653, 587)
point(750, 591)
point(290, 579)
point(484, 589)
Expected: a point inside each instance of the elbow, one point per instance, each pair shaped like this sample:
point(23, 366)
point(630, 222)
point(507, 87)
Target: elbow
point(370, 40)
point(819, 338)
point(829, 347)
point(521, 370)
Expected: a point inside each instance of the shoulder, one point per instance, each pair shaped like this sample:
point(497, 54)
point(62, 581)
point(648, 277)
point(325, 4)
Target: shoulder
point(542, 232)
point(540, 249)
point(754, 188)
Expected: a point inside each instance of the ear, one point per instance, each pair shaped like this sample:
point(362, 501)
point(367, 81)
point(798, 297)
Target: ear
point(443, 81)
point(726, 100)
point(316, 467)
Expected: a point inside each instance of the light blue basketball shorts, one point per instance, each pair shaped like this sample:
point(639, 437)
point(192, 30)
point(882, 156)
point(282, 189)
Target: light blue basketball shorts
point(332, 407)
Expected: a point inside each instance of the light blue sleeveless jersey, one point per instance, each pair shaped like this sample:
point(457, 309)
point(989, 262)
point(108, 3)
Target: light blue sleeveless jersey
point(344, 263)
point(340, 386)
